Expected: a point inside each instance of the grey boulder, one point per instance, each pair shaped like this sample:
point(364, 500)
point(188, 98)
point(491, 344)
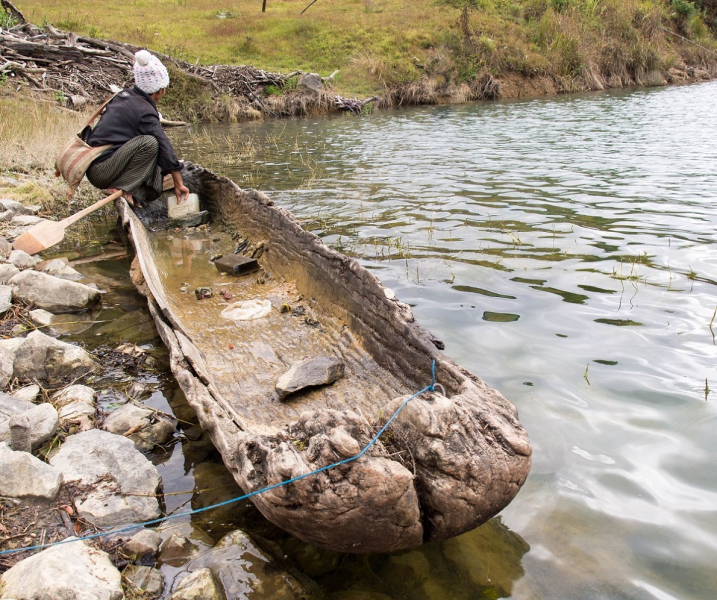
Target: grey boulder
point(24, 476)
point(21, 220)
point(43, 357)
point(43, 421)
point(22, 260)
point(28, 393)
point(73, 571)
point(121, 483)
point(143, 542)
point(5, 299)
point(52, 293)
point(5, 247)
point(18, 208)
point(142, 425)
point(59, 268)
point(7, 271)
point(7, 357)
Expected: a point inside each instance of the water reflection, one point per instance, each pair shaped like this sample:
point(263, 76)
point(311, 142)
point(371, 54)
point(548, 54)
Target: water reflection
point(569, 244)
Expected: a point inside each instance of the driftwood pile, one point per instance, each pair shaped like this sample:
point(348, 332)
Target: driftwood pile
point(81, 69)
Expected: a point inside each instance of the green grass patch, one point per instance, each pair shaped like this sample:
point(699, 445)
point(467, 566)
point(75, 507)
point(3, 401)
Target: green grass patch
point(377, 44)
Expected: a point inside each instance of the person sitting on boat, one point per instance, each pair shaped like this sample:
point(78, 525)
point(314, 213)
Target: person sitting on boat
point(141, 155)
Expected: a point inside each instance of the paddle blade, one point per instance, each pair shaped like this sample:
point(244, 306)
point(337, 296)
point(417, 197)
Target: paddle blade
point(40, 236)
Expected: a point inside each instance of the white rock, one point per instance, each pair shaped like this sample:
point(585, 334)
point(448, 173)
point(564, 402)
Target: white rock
point(122, 482)
point(198, 585)
point(11, 406)
point(16, 232)
point(59, 268)
point(22, 260)
point(143, 542)
point(24, 476)
point(6, 215)
point(5, 298)
point(127, 417)
point(43, 424)
point(7, 357)
point(28, 393)
point(52, 293)
point(5, 246)
point(6, 272)
point(77, 403)
point(18, 208)
point(21, 220)
point(311, 81)
point(44, 357)
point(78, 101)
point(12, 205)
point(41, 317)
point(61, 324)
point(73, 571)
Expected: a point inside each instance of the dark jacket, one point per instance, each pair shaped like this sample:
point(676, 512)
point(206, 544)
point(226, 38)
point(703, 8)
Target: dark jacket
point(129, 114)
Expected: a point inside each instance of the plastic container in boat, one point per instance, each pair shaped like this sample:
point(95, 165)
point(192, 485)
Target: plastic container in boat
point(175, 210)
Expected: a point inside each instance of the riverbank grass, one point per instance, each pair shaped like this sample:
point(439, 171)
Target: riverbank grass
point(381, 44)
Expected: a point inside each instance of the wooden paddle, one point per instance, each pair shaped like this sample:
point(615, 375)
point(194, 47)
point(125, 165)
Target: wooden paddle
point(48, 233)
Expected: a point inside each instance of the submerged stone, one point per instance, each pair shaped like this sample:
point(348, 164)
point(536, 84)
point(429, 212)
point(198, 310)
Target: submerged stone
point(147, 579)
point(136, 327)
point(198, 585)
point(236, 264)
point(244, 569)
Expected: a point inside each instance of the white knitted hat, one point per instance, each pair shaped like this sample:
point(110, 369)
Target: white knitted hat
point(150, 75)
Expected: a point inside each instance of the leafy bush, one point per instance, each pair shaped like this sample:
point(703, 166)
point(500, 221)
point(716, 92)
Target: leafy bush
point(684, 8)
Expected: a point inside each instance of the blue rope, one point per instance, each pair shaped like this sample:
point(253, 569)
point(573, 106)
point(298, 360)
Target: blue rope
point(93, 536)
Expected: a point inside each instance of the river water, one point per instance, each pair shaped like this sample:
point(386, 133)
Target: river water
point(565, 251)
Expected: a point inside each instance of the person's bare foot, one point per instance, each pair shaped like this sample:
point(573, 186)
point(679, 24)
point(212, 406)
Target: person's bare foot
point(126, 195)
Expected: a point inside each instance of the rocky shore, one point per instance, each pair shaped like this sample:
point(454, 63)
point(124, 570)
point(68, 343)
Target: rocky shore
point(72, 469)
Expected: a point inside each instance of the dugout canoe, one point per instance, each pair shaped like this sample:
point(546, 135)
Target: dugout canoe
point(452, 459)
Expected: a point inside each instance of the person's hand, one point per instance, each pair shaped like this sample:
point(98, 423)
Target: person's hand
point(182, 192)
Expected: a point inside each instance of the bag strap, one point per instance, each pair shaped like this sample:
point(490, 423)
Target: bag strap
point(100, 109)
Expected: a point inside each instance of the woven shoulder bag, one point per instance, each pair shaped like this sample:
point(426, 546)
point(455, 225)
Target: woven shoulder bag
point(77, 156)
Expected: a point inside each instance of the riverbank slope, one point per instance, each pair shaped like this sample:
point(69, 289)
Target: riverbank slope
point(422, 53)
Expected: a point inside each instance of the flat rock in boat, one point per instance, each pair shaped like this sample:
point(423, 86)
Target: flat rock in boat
point(308, 373)
point(236, 264)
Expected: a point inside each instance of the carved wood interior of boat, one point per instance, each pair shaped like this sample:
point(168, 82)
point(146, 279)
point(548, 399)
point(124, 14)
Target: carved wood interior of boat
point(447, 465)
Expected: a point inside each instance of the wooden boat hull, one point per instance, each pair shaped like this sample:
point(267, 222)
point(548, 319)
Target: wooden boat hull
point(446, 465)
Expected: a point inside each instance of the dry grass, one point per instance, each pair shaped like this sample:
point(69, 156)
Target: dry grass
point(33, 131)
